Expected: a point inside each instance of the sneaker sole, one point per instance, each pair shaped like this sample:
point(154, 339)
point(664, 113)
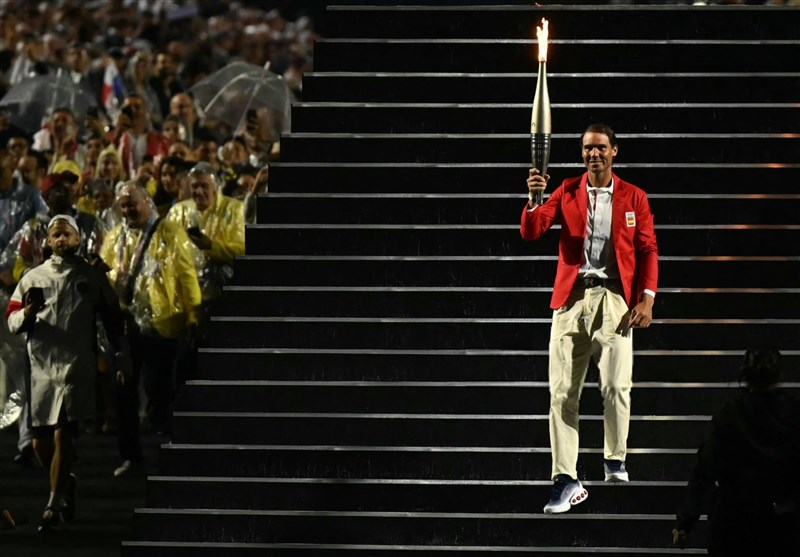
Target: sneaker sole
point(617, 478)
point(579, 497)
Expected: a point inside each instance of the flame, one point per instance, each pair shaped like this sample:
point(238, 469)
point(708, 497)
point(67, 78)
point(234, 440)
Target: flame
point(541, 34)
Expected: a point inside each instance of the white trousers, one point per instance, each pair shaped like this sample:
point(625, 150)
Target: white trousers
point(588, 327)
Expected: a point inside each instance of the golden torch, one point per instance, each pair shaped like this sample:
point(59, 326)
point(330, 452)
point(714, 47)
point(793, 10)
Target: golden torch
point(540, 113)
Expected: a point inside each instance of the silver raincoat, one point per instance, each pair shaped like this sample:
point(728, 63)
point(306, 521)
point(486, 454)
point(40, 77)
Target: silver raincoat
point(62, 341)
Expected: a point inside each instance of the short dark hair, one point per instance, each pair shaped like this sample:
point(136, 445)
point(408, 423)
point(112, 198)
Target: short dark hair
point(761, 368)
point(179, 164)
point(604, 129)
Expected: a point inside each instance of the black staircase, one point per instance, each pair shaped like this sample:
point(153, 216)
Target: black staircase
point(377, 383)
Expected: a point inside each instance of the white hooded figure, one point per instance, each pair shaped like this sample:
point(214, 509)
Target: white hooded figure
point(56, 304)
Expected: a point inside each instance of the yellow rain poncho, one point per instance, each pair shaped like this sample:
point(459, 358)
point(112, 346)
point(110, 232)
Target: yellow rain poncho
point(166, 294)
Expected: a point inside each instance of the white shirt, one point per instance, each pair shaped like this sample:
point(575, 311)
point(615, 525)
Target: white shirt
point(599, 258)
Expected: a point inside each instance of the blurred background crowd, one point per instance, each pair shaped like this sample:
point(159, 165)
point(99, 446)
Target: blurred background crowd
point(152, 123)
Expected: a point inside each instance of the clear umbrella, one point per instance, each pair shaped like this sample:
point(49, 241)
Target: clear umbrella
point(32, 101)
point(234, 94)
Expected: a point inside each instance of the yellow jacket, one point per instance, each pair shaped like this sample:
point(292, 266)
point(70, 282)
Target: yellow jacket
point(166, 294)
point(223, 224)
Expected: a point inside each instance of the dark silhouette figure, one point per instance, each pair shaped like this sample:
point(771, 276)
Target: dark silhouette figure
point(745, 469)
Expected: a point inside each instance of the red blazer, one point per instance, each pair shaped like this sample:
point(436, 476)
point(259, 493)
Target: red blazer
point(631, 229)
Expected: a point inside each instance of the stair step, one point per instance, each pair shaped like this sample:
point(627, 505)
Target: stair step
point(463, 529)
point(564, 55)
point(502, 239)
point(635, 117)
point(712, 303)
point(566, 21)
point(458, 334)
point(464, 365)
point(684, 432)
point(404, 495)
point(607, 87)
point(515, 148)
point(492, 398)
point(497, 178)
point(459, 463)
point(499, 208)
point(233, 549)
point(724, 271)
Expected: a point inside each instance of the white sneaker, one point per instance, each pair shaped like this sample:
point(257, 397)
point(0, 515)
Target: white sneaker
point(566, 493)
point(615, 471)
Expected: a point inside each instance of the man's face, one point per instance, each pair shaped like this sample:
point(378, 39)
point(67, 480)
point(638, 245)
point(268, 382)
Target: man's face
point(181, 106)
point(164, 66)
point(134, 208)
point(137, 108)
point(598, 155)
point(63, 239)
point(102, 199)
point(17, 147)
point(58, 199)
point(204, 191)
point(62, 124)
point(28, 171)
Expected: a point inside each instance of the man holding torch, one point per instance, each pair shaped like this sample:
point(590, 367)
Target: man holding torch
point(605, 285)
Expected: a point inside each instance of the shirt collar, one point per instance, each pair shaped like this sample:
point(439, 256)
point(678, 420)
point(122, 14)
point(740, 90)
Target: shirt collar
point(609, 189)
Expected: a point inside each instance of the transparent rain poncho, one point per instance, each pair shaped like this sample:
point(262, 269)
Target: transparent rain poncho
point(223, 224)
point(28, 247)
point(17, 206)
point(158, 285)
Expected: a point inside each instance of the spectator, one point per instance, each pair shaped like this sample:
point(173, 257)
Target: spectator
point(182, 107)
point(215, 224)
point(31, 168)
point(17, 146)
point(109, 166)
point(60, 135)
point(166, 82)
point(152, 271)
point(71, 175)
point(56, 304)
point(752, 438)
point(141, 139)
point(28, 247)
point(30, 60)
point(182, 150)
point(19, 201)
point(172, 179)
point(170, 129)
point(94, 146)
point(102, 193)
point(206, 149)
point(139, 81)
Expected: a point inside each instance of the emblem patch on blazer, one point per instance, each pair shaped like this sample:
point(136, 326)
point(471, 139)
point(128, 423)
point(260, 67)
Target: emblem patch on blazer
point(630, 219)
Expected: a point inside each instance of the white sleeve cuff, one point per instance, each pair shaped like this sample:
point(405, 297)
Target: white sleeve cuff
point(647, 291)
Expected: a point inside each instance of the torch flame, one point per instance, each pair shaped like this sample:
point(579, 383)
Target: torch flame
point(541, 34)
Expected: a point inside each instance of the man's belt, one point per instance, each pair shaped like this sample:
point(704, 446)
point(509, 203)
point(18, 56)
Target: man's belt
point(593, 282)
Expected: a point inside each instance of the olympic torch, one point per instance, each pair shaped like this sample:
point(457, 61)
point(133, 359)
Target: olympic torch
point(540, 113)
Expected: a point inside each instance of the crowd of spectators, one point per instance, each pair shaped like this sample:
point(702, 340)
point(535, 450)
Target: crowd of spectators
point(145, 189)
